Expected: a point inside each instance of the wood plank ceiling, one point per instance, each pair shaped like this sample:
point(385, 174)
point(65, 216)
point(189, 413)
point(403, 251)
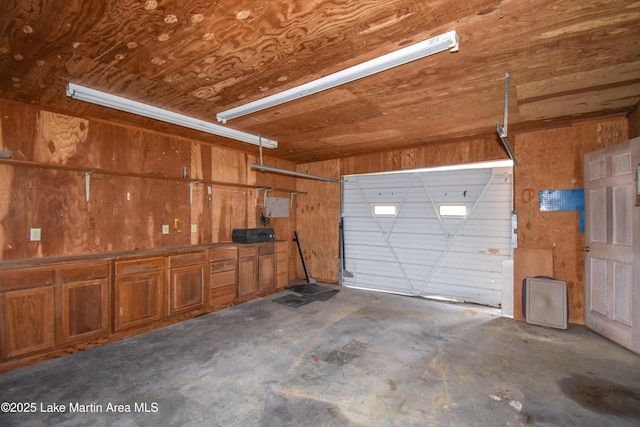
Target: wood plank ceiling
point(567, 59)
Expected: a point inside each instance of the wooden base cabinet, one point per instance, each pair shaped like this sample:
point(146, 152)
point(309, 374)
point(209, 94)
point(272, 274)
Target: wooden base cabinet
point(138, 294)
point(282, 264)
point(48, 309)
point(85, 301)
point(266, 267)
point(28, 321)
point(188, 282)
point(247, 270)
point(223, 279)
point(42, 309)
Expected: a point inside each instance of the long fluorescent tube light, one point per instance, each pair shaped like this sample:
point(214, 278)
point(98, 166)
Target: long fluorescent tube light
point(123, 104)
point(446, 41)
point(264, 168)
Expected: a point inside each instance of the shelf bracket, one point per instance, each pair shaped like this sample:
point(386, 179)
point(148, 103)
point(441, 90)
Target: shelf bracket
point(87, 184)
point(293, 193)
point(265, 197)
point(257, 190)
point(191, 184)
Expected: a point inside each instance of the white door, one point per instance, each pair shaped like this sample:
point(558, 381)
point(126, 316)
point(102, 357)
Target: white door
point(612, 239)
point(435, 234)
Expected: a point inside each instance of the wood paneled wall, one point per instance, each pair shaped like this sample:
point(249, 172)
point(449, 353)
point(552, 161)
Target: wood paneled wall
point(553, 160)
point(547, 159)
point(127, 212)
point(318, 221)
point(124, 212)
point(634, 122)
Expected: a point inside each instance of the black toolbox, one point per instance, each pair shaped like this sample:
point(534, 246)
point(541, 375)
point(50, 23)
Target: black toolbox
point(253, 235)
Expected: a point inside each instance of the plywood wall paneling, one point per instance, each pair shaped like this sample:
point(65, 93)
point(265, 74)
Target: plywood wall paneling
point(283, 227)
point(529, 262)
point(317, 221)
point(230, 209)
point(124, 212)
point(634, 122)
point(473, 150)
point(228, 166)
point(19, 129)
point(552, 159)
point(6, 182)
point(60, 137)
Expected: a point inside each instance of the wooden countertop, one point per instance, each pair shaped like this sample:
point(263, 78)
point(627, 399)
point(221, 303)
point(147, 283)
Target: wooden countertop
point(123, 255)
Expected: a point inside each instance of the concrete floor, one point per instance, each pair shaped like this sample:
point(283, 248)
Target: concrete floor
point(358, 359)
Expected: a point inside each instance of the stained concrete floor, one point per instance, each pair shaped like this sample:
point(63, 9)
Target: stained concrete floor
point(358, 359)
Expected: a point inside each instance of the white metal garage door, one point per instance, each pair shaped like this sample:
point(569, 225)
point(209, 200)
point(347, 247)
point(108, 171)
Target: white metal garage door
point(449, 235)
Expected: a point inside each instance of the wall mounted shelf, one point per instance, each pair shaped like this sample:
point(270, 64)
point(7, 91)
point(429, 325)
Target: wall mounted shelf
point(92, 171)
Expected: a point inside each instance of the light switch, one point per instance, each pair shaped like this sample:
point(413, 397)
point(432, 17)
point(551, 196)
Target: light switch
point(35, 234)
point(165, 228)
point(194, 228)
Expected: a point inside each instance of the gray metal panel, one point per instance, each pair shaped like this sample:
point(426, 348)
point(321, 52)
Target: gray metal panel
point(420, 253)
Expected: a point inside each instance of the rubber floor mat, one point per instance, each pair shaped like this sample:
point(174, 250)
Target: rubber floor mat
point(308, 289)
point(295, 301)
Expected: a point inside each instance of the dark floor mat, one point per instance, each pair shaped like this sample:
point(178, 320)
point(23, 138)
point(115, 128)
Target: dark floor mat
point(307, 289)
point(291, 300)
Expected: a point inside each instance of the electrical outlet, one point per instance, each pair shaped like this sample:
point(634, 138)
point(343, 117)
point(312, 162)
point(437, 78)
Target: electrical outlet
point(194, 228)
point(35, 234)
point(165, 228)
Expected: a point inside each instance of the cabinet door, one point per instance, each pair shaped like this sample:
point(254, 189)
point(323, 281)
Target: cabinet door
point(138, 292)
point(85, 310)
point(267, 272)
point(188, 289)
point(266, 261)
point(85, 301)
point(29, 321)
point(247, 275)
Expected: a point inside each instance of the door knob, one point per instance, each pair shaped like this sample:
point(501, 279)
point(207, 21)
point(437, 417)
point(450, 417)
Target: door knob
point(586, 249)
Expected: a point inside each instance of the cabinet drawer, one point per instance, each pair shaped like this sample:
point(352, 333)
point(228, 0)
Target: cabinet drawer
point(227, 265)
point(222, 297)
point(282, 279)
point(187, 259)
point(244, 251)
point(266, 249)
point(84, 272)
point(219, 254)
point(281, 256)
point(139, 266)
point(25, 278)
point(223, 278)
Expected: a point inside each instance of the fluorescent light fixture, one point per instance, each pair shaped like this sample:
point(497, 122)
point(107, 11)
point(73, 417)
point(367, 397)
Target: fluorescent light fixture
point(123, 104)
point(446, 41)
